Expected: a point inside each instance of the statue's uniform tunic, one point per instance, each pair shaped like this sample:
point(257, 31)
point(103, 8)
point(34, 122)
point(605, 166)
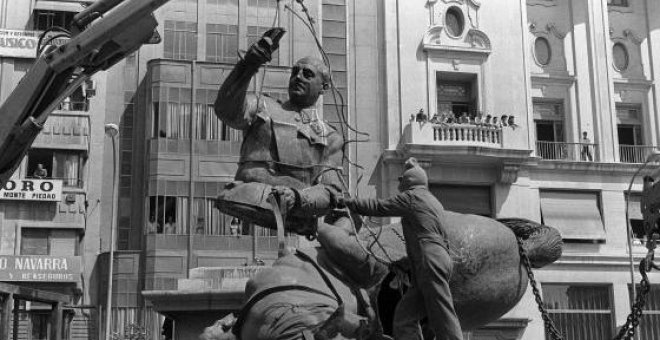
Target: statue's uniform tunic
point(422, 221)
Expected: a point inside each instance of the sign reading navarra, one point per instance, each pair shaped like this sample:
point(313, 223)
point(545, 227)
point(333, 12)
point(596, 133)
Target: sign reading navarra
point(32, 190)
point(39, 268)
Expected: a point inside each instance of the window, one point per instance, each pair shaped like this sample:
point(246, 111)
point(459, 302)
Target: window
point(549, 123)
point(454, 22)
point(44, 19)
point(180, 40)
point(464, 199)
point(649, 324)
point(542, 51)
point(171, 112)
point(170, 214)
point(576, 214)
point(621, 3)
point(56, 164)
point(455, 94)
point(207, 125)
point(620, 56)
point(635, 215)
point(46, 241)
point(579, 311)
point(221, 43)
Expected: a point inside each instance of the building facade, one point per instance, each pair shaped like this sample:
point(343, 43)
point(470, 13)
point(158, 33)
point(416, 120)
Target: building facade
point(579, 80)
point(52, 210)
point(493, 97)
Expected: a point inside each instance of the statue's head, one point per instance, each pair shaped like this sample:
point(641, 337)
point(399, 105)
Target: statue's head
point(309, 78)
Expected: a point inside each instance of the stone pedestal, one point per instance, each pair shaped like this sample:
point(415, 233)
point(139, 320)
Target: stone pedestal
point(208, 295)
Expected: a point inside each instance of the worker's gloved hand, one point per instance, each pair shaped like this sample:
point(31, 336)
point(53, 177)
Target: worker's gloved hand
point(287, 198)
point(262, 51)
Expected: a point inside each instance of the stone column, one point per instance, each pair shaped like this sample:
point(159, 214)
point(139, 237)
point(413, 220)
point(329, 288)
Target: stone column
point(653, 25)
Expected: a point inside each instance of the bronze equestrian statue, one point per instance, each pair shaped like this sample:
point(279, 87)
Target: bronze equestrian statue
point(328, 292)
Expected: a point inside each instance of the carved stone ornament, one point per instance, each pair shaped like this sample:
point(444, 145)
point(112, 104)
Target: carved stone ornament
point(509, 173)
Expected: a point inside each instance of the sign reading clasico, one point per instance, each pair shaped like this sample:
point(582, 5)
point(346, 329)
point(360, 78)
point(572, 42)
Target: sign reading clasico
point(32, 190)
point(21, 44)
point(39, 268)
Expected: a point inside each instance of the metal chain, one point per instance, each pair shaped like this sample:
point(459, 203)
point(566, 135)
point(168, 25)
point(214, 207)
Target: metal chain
point(627, 331)
point(550, 327)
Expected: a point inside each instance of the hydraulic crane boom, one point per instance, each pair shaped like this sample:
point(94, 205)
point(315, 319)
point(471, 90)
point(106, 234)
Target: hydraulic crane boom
point(104, 33)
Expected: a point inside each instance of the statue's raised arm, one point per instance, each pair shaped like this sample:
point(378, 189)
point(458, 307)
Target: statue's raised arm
point(234, 106)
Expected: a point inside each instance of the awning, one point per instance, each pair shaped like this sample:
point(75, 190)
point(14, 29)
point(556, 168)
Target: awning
point(63, 6)
point(634, 207)
point(575, 214)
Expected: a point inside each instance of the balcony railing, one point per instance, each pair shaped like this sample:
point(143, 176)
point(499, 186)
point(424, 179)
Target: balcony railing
point(634, 153)
point(455, 134)
point(64, 129)
point(577, 152)
point(466, 134)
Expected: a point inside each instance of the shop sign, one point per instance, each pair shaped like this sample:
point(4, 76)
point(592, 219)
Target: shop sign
point(39, 268)
point(21, 44)
point(32, 190)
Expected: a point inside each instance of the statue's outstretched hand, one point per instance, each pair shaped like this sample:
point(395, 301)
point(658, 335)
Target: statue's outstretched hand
point(262, 51)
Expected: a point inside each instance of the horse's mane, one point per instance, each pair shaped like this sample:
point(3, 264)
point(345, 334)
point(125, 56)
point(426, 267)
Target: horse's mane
point(542, 243)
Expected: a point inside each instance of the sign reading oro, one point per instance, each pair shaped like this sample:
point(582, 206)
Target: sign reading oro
point(32, 190)
point(39, 268)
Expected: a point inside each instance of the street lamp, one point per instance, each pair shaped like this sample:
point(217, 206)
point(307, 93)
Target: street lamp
point(111, 130)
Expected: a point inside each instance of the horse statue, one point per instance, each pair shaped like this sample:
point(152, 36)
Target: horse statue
point(329, 292)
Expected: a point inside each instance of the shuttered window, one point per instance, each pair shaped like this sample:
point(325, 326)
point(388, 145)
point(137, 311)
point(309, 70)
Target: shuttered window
point(575, 214)
point(465, 199)
point(45, 241)
point(580, 311)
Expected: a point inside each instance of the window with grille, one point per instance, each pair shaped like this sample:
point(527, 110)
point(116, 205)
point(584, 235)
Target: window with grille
point(649, 324)
point(47, 241)
point(180, 41)
point(580, 311)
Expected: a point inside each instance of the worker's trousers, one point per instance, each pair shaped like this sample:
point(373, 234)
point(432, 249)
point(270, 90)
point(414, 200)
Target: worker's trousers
point(430, 296)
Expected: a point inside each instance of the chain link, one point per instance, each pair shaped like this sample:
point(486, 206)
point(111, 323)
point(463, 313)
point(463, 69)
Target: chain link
point(627, 331)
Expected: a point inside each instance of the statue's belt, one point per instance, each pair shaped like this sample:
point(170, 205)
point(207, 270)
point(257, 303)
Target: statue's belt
point(236, 329)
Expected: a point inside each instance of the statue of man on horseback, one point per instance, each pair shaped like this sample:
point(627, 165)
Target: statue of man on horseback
point(328, 292)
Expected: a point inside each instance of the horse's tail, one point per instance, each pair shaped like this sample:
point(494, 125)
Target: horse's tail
point(542, 243)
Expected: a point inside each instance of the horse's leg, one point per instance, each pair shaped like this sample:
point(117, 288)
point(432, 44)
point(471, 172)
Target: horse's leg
point(345, 252)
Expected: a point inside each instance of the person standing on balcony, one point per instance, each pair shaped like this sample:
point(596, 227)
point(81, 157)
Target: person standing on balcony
point(585, 153)
point(40, 172)
point(152, 226)
point(422, 219)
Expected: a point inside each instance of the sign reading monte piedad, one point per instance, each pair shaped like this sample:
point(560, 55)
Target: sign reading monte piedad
point(39, 268)
point(32, 190)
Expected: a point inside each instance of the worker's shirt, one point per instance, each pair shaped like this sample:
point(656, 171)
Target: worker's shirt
point(422, 217)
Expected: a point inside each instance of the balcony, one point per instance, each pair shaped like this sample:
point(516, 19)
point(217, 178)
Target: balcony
point(635, 153)
point(456, 134)
point(65, 131)
point(575, 152)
